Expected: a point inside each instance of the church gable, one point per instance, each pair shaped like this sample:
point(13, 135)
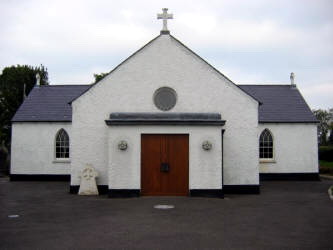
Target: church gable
point(197, 87)
point(165, 47)
point(165, 62)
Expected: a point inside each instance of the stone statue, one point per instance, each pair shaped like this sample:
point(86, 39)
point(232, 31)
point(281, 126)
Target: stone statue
point(88, 182)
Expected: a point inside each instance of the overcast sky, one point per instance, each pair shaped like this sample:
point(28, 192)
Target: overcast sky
point(251, 42)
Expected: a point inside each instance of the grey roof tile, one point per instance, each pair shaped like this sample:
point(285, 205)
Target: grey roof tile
point(280, 103)
point(49, 103)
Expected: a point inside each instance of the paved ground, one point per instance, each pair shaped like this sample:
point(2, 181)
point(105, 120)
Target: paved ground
point(286, 215)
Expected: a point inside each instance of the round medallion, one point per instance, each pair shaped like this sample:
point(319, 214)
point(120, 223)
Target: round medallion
point(207, 145)
point(122, 145)
point(165, 98)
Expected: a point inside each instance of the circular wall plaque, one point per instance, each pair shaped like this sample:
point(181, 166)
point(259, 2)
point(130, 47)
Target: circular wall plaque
point(207, 145)
point(165, 98)
point(122, 145)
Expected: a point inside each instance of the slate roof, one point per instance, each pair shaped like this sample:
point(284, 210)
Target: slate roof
point(280, 103)
point(49, 103)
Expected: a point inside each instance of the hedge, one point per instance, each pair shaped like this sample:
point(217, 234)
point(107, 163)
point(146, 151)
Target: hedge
point(326, 170)
point(326, 153)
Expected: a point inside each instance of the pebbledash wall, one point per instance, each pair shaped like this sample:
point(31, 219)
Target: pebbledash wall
point(295, 148)
point(200, 88)
point(33, 152)
point(205, 168)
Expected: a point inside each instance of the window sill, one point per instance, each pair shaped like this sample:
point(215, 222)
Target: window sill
point(267, 161)
point(61, 161)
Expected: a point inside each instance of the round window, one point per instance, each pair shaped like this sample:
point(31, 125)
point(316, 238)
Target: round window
point(165, 98)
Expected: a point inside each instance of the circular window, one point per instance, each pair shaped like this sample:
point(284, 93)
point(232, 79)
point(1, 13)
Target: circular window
point(165, 98)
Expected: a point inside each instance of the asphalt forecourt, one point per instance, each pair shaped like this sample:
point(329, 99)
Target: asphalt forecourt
point(43, 215)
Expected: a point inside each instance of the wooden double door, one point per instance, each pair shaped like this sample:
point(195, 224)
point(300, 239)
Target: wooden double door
point(164, 164)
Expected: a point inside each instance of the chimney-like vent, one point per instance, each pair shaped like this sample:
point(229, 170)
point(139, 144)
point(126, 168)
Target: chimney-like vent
point(292, 80)
point(37, 80)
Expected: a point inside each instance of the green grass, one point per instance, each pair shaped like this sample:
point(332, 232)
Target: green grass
point(328, 164)
point(326, 147)
point(326, 167)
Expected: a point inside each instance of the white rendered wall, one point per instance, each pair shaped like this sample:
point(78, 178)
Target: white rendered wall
point(295, 148)
point(205, 169)
point(33, 150)
point(199, 87)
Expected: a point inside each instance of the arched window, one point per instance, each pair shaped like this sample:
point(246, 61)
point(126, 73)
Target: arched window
point(266, 145)
point(62, 145)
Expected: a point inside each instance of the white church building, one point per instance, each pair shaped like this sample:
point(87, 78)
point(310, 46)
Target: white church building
point(165, 122)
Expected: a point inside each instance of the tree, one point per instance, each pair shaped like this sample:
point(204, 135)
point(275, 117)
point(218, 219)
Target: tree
point(100, 76)
point(324, 117)
point(330, 138)
point(13, 81)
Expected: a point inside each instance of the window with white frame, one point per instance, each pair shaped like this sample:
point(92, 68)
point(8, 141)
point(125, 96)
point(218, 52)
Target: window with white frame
point(62, 145)
point(266, 145)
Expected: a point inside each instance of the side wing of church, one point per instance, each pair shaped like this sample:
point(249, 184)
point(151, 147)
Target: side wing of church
point(165, 122)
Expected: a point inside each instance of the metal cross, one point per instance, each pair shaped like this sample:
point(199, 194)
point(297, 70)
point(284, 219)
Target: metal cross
point(165, 16)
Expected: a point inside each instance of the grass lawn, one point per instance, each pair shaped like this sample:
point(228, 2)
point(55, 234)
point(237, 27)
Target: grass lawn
point(326, 164)
point(326, 167)
point(326, 147)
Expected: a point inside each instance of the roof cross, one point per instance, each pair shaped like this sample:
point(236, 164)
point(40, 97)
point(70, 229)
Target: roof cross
point(165, 16)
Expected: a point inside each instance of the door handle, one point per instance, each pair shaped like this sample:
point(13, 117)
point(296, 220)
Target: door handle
point(165, 167)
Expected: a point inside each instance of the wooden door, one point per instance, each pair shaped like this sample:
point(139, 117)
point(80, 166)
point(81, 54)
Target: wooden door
point(164, 164)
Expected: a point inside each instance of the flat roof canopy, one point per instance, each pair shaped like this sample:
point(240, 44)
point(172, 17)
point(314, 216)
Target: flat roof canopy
point(147, 118)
